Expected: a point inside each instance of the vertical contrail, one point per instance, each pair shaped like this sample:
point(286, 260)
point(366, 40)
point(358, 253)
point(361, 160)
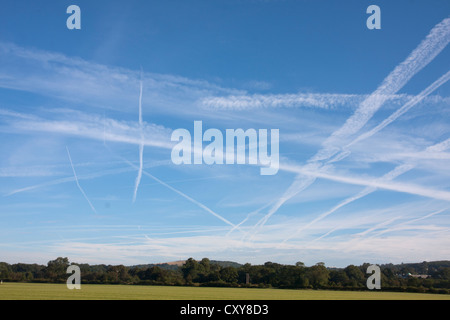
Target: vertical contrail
point(428, 49)
point(141, 145)
point(78, 184)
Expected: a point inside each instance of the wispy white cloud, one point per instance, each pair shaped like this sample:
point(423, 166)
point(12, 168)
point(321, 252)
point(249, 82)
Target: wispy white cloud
point(95, 175)
point(95, 127)
point(325, 101)
point(32, 171)
point(428, 49)
point(79, 81)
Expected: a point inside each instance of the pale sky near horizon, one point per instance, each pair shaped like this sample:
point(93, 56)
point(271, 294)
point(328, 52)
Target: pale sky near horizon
point(363, 117)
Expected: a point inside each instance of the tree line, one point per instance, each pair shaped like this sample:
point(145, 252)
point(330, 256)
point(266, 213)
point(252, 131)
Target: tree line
point(403, 277)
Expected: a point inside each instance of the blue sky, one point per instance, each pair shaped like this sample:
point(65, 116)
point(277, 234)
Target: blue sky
point(362, 114)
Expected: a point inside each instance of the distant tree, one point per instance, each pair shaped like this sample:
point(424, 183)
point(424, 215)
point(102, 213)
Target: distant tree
point(320, 264)
point(229, 274)
point(56, 269)
point(58, 265)
point(190, 270)
point(355, 275)
point(5, 270)
point(339, 278)
point(123, 273)
point(205, 265)
point(300, 264)
point(318, 276)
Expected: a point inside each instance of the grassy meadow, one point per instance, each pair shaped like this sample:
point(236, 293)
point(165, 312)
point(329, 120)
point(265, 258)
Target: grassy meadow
point(47, 291)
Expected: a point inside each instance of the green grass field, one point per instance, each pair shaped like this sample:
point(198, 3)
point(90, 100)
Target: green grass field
point(45, 291)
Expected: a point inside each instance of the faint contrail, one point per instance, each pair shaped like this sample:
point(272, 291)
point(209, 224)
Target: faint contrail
point(141, 145)
point(410, 221)
point(201, 205)
point(397, 171)
point(70, 179)
point(248, 216)
point(78, 184)
point(428, 49)
point(357, 241)
point(368, 190)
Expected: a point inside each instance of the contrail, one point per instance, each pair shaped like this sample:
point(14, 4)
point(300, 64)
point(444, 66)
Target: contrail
point(140, 100)
point(373, 182)
point(141, 145)
point(201, 205)
point(428, 49)
point(248, 216)
point(443, 79)
point(78, 184)
point(411, 103)
point(324, 101)
point(301, 183)
point(368, 190)
point(411, 221)
point(397, 171)
point(70, 179)
point(355, 242)
point(187, 197)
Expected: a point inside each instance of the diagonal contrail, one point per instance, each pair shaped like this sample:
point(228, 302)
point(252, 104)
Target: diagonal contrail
point(411, 103)
point(357, 241)
point(78, 184)
point(397, 171)
point(410, 221)
point(368, 190)
point(428, 49)
point(199, 204)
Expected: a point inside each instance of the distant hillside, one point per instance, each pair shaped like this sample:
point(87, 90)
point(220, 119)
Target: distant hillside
point(174, 265)
point(225, 264)
point(166, 266)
